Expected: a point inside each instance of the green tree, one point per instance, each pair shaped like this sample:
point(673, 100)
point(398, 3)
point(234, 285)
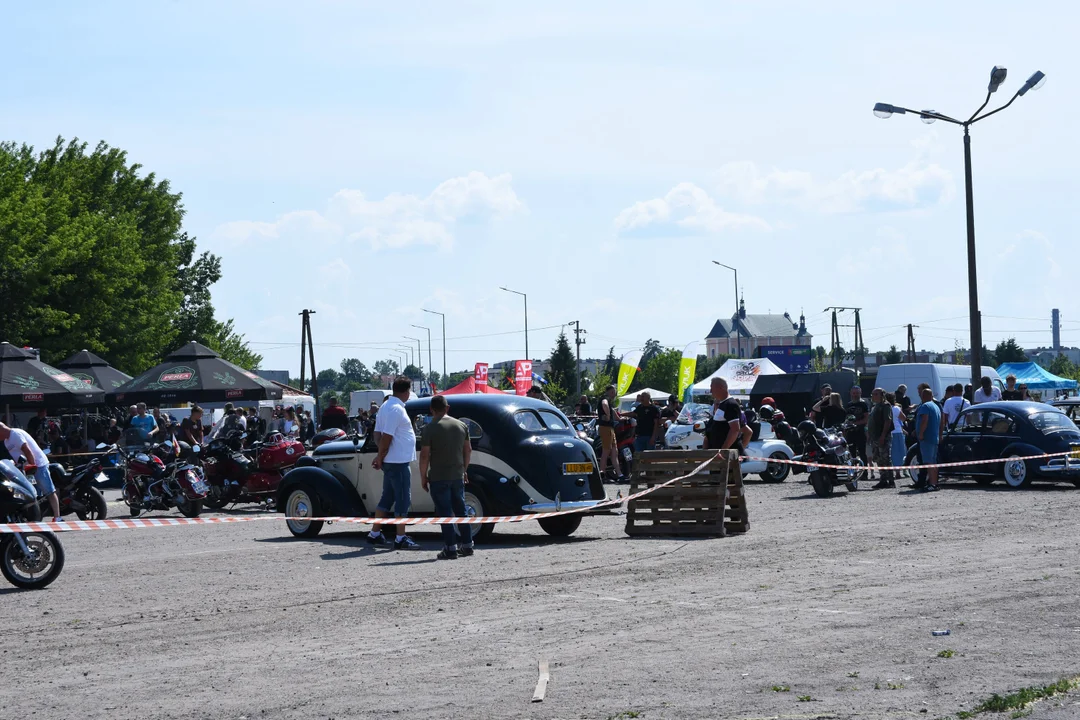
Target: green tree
point(893, 356)
point(652, 349)
point(1063, 367)
point(611, 363)
point(706, 366)
point(355, 371)
point(386, 367)
point(329, 379)
point(663, 372)
point(563, 368)
point(1008, 351)
point(93, 255)
point(230, 344)
point(412, 372)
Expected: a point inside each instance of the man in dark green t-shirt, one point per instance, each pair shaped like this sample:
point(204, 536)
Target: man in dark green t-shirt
point(444, 458)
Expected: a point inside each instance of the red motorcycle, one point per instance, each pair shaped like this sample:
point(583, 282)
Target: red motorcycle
point(252, 475)
point(624, 443)
point(153, 483)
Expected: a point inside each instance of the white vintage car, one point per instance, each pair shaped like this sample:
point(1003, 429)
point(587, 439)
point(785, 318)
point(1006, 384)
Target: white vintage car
point(687, 433)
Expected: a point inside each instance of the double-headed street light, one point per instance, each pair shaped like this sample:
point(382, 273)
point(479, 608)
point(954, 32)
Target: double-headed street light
point(431, 367)
point(419, 354)
point(526, 299)
point(884, 110)
point(446, 382)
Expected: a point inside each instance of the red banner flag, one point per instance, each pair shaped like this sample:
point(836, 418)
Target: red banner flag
point(522, 376)
point(481, 374)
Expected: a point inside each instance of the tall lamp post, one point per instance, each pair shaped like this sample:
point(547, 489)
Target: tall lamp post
point(431, 367)
point(408, 353)
point(884, 110)
point(404, 359)
point(738, 325)
point(446, 382)
point(526, 299)
point(419, 355)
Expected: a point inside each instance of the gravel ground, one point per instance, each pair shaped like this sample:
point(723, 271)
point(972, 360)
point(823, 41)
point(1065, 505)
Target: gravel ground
point(824, 609)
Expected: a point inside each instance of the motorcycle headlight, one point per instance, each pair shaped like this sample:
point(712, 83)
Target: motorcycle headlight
point(17, 492)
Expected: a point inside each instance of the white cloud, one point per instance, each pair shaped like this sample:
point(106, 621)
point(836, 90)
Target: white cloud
point(396, 221)
point(919, 183)
point(687, 206)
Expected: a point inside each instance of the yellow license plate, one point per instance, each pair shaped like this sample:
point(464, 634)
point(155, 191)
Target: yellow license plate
point(1075, 452)
point(576, 468)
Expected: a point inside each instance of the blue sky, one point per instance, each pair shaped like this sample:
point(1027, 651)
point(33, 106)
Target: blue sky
point(370, 159)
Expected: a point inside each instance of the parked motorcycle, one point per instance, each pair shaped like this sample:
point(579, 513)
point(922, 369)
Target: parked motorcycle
point(837, 466)
point(151, 483)
point(328, 435)
point(624, 443)
point(248, 476)
point(28, 560)
point(77, 491)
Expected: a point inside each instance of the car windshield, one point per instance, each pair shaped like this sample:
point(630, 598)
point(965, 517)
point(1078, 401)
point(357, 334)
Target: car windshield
point(1049, 422)
point(692, 412)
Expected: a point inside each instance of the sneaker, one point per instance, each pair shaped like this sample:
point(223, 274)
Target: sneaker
point(884, 485)
point(447, 555)
point(930, 488)
point(379, 539)
point(406, 544)
point(465, 551)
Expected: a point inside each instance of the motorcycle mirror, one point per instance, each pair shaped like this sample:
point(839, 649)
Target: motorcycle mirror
point(699, 426)
point(101, 446)
point(579, 427)
point(195, 449)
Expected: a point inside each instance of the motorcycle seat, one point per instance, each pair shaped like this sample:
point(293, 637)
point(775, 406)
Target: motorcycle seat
point(755, 427)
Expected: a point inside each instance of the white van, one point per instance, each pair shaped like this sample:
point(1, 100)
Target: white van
point(937, 376)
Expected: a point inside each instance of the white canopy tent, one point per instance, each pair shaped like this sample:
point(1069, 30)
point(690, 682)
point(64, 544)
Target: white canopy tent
point(659, 397)
point(740, 375)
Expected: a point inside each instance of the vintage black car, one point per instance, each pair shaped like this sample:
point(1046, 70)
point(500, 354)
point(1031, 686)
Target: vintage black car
point(527, 458)
point(996, 430)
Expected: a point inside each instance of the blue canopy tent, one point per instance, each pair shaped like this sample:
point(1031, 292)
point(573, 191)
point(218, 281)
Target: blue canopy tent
point(1035, 377)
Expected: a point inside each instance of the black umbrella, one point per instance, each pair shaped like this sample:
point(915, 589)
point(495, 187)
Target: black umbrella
point(195, 373)
point(25, 381)
point(92, 370)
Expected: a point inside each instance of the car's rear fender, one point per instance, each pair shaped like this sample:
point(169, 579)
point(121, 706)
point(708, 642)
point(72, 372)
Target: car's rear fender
point(1022, 449)
point(337, 496)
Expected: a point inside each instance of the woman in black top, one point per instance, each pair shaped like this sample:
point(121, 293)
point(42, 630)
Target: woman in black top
point(831, 411)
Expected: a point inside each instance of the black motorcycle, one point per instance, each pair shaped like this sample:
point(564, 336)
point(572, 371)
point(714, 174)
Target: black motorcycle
point(836, 466)
point(29, 560)
point(77, 491)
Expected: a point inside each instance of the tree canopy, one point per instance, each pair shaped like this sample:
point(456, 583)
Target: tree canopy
point(93, 256)
point(1007, 351)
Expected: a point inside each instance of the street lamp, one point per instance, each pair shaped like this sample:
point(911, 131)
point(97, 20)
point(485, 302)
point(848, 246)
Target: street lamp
point(738, 325)
point(446, 383)
point(419, 354)
point(404, 359)
point(431, 367)
point(884, 110)
point(526, 299)
point(408, 355)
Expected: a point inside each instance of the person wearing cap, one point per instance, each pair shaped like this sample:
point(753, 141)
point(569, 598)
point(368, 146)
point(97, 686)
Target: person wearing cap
point(986, 392)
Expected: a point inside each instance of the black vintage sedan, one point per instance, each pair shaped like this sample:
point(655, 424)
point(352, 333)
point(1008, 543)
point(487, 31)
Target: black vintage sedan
point(526, 458)
point(999, 430)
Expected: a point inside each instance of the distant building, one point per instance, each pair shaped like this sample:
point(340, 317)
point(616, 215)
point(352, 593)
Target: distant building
point(276, 376)
point(757, 331)
point(1045, 356)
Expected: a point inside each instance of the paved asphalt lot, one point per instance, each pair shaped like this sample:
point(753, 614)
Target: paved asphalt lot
point(824, 609)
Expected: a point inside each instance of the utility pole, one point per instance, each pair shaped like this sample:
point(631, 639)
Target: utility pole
point(859, 352)
point(911, 343)
point(578, 342)
point(305, 337)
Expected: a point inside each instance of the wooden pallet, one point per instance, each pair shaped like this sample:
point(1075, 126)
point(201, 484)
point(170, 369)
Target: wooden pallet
point(708, 504)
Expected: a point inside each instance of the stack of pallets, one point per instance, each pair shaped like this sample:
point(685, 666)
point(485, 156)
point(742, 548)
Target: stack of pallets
point(710, 503)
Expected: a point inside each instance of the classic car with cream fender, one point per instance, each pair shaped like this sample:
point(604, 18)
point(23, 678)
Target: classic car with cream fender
point(526, 458)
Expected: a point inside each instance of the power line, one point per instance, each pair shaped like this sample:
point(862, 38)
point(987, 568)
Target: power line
point(374, 344)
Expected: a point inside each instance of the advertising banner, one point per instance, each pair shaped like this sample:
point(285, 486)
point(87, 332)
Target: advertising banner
point(522, 376)
point(627, 368)
point(687, 368)
point(481, 374)
point(790, 359)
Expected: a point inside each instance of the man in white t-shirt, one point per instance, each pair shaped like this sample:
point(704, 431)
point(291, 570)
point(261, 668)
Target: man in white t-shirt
point(955, 405)
point(986, 392)
point(19, 444)
point(396, 440)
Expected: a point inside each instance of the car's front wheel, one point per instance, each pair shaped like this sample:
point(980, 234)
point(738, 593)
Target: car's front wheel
point(300, 504)
point(560, 525)
point(1016, 472)
point(474, 507)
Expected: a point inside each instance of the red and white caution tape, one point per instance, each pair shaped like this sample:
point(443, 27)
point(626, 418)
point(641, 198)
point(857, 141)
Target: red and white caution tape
point(136, 523)
point(915, 467)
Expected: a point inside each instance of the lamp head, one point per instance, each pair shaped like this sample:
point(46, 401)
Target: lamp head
point(926, 118)
point(1036, 81)
point(885, 110)
point(997, 76)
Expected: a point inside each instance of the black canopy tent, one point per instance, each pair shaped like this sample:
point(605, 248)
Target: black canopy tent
point(93, 370)
point(26, 382)
point(195, 373)
point(796, 393)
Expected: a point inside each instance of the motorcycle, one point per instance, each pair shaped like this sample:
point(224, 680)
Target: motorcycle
point(836, 467)
point(77, 492)
point(29, 560)
point(151, 483)
point(328, 435)
point(251, 476)
point(624, 443)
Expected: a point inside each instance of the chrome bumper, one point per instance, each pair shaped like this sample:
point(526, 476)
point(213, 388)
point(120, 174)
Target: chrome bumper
point(1061, 466)
point(557, 506)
